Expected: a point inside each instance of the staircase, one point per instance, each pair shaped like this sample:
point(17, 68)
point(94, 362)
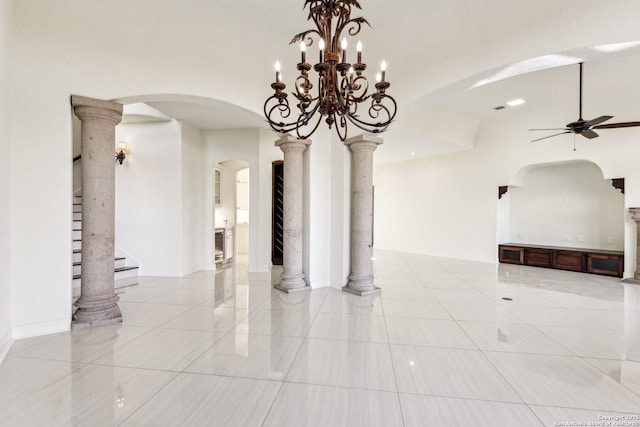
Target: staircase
point(125, 275)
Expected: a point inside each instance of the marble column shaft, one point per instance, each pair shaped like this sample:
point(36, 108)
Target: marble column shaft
point(293, 279)
point(635, 214)
point(361, 269)
point(98, 303)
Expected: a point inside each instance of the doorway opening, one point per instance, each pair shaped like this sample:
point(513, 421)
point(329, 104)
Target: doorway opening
point(231, 214)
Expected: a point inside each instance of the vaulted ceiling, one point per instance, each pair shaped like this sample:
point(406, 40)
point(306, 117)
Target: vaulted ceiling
point(450, 62)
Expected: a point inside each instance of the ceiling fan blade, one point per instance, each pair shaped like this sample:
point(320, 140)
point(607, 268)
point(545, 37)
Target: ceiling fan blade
point(618, 125)
point(550, 136)
point(598, 120)
point(552, 129)
point(589, 134)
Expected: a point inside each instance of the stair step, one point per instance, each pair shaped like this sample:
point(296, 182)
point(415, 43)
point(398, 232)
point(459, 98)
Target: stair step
point(120, 285)
point(123, 275)
point(117, 270)
point(118, 258)
point(117, 264)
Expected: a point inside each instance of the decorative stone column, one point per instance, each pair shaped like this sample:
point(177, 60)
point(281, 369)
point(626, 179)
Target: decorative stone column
point(635, 215)
point(98, 303)
point(361, 272)
point(292, 275)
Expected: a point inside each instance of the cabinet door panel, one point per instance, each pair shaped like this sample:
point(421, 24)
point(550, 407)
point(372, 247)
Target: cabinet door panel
point(569, 260)
point(538, 257)
point(511, 255)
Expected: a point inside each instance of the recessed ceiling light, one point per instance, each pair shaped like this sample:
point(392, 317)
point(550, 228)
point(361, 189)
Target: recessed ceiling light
point(515, 102)
point(413, 153)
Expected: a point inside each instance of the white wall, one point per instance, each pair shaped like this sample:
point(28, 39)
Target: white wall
point(447, 205)
point(193, 201)
point(149, 197)
point(340, 212)
point(317, 209)
point(5, 147)
point(242, 189)
point(41, 184)
point(242, 201)
point(567, 205)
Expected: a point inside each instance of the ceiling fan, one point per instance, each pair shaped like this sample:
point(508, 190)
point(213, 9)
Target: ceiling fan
point(586, 127)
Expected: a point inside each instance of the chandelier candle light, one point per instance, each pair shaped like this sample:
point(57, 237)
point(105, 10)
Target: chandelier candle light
point(342, 88)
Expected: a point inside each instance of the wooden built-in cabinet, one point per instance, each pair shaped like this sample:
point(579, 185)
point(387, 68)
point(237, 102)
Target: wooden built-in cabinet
point(609, 263)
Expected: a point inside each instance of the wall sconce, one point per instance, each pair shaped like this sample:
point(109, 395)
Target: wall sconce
point(120, 156)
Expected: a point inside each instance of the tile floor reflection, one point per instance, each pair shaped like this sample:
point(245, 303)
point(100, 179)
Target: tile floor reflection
point(440, 346)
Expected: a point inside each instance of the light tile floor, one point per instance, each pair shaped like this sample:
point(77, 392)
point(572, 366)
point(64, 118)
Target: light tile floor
point(438, 347)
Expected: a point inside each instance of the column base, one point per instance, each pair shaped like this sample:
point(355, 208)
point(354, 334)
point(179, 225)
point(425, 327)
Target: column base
point(361, 286)
point(96, 311)
point(292, 283)
point(75, 324)
point(631, 281)
point(281, 288)
point(362, 292)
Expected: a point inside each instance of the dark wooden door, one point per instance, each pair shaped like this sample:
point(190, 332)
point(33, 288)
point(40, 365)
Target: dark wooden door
point(277, 213)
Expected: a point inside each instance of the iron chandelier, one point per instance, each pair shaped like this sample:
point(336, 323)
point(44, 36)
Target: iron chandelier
point(342, 88)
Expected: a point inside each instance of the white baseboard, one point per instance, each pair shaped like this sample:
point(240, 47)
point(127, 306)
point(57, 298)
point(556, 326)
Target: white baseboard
point(5, 344)
point(317, 284)
point(41, 328)
point(261, 269)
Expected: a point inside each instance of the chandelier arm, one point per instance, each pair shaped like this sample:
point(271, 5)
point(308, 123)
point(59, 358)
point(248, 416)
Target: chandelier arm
point(366, 127)
point(285, 112)
point(303, 82)
point(395, 106)
point(307, 135)
point(343, 125)
point(281, 106)
point(360, 93)
point(374, 112)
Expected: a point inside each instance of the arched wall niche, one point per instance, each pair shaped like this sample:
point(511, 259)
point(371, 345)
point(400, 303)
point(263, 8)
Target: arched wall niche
point(569, 204)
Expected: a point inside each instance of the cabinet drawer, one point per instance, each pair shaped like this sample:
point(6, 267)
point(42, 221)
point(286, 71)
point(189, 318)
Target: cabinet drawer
point(610, 265)
point(511, 255)
point(569, 260)
point(538, 257)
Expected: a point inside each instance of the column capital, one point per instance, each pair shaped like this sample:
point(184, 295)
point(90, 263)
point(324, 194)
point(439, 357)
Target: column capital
point(363, 142)
point(635, 214)
point(290, 143)
point(84, 107)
